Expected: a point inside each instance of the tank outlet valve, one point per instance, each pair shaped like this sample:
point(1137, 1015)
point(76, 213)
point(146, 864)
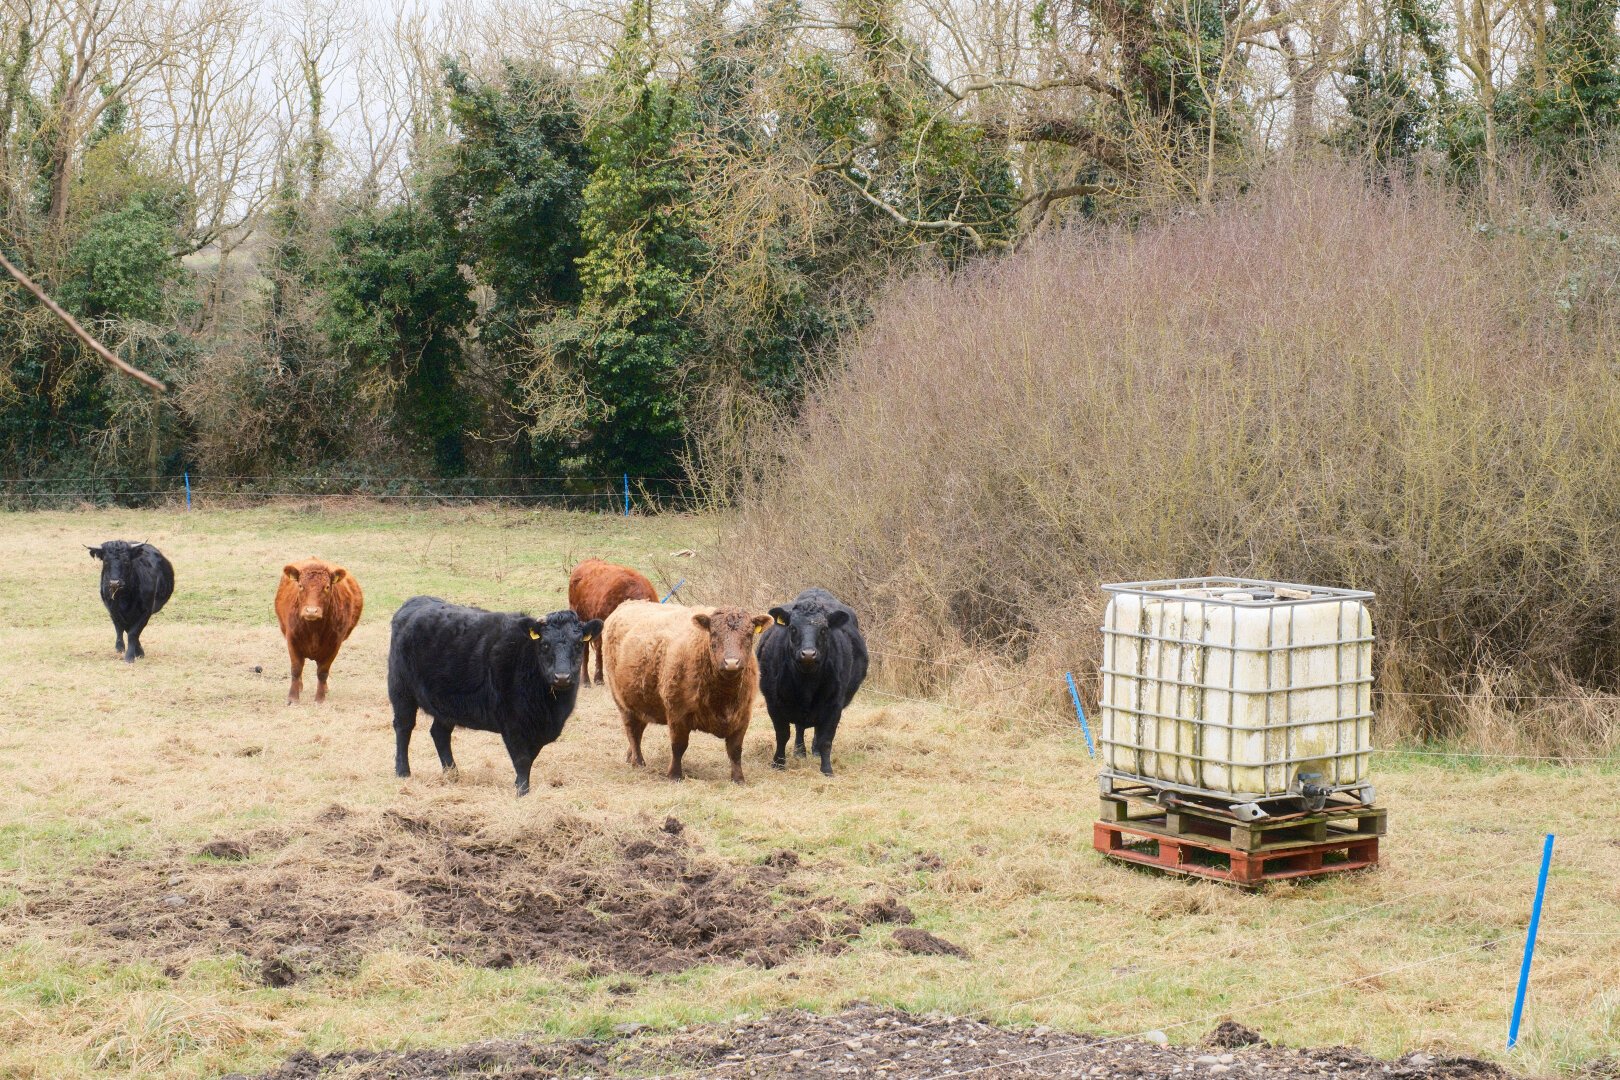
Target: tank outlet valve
point(1312, 790)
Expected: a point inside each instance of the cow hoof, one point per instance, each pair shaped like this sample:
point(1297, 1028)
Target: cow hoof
point(800, 752)
point(452, 775)
point(777, 763)
point(522, 791)
point(826, 772)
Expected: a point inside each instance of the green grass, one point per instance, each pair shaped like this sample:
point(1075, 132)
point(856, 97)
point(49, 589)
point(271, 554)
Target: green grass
point(105, 764)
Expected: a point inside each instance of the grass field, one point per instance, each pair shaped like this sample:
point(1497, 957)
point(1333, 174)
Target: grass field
point(114, 777)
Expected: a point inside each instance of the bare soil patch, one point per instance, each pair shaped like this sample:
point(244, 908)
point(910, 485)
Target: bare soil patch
point(870, 1041)
point(644, 900)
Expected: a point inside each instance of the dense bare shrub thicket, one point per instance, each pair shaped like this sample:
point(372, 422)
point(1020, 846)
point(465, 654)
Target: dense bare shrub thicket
point(1320, 382)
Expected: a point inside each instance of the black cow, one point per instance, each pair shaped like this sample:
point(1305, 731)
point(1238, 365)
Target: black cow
point(136, 581)
point(811, 662)
point(502, 672)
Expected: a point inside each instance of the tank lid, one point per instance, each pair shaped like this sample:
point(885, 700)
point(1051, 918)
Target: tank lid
point(1247, 592)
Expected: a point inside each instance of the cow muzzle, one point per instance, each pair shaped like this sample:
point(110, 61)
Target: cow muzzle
point(731, 663)
point(809, 658)
point(114, 585)
point(312, 614)
point(562, 681)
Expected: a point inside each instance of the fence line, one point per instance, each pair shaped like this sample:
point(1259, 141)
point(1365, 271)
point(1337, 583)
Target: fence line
point(333, 479)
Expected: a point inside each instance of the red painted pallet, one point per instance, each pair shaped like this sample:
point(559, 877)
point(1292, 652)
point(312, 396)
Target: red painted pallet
point(1135, 842)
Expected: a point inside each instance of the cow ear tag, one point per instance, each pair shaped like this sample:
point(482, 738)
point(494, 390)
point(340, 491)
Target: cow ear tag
point(587, 637)
point(781, 621)
point(533, 634)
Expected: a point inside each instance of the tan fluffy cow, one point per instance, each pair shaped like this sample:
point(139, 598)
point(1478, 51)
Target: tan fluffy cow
point(690, 668)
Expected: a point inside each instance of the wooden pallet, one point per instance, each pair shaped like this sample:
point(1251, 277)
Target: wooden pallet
point(1141, 843)
point(1197, 823)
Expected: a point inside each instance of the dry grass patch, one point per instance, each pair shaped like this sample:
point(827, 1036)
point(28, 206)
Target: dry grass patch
point(979, 827)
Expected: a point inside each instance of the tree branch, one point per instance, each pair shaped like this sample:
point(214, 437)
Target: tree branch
point(73, 324)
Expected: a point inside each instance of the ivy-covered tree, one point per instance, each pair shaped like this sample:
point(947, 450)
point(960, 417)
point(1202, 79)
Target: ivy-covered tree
point(642, 257)
point(1396, 94)
point(512, 189)
point(1564, 104)
point(396, 304)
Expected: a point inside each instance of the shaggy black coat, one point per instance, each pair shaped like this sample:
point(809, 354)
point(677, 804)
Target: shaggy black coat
point(466, 667)
point(811, 662)
point(136, 581)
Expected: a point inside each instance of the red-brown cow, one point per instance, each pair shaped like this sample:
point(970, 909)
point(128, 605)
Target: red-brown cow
point(595, 590)
point(318, 605)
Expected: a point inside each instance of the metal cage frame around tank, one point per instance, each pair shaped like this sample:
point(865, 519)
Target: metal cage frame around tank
point(1245, 803)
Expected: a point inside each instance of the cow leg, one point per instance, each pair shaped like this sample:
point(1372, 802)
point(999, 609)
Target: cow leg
point(404, 724)
point(678, 738)
point(633, 727)
point(595, 646)
point(783, 730)
point(296, 686)
point(585, 666)
point(134, 651)
point(522, 752)
point(825, 730)
point(798, 742)
point(118, 638)
point(734, 752)
point(441, 742)
point(321, 672)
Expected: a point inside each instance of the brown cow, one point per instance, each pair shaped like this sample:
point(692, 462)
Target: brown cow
point(595, 590)
point(318, 605)
point(690, 668)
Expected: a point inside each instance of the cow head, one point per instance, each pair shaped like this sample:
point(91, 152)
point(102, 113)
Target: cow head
point(117, 565)
point(731, 636)
point(807, 627)
point(559, 639)
point(314, 588)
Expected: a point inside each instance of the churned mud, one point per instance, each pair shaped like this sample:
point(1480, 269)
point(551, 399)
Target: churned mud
point(645, 901)
point(871, 1042)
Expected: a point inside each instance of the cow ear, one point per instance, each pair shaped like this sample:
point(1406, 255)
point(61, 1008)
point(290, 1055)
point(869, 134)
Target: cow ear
point(339, 574)
point(781, 615)
point(591, 629)
point(291, 571)
point(837, 617)
point(701, 620)
point(761, 622)
point(95, 552)
point(534, 627)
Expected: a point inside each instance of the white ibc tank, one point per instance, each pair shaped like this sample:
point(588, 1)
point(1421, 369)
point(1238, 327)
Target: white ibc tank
point(1240, 689)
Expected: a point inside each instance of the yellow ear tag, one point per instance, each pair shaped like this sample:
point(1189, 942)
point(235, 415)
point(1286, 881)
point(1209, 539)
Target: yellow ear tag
point(781, 621)
point(534, 635)
point(587, 637)
point(759, 629)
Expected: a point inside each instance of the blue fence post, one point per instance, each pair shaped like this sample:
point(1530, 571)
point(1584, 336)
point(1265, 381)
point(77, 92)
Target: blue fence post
point(673, 591)
point(1530, 942)
point(626, 494)
point(1074, 692)
point(187, 475)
